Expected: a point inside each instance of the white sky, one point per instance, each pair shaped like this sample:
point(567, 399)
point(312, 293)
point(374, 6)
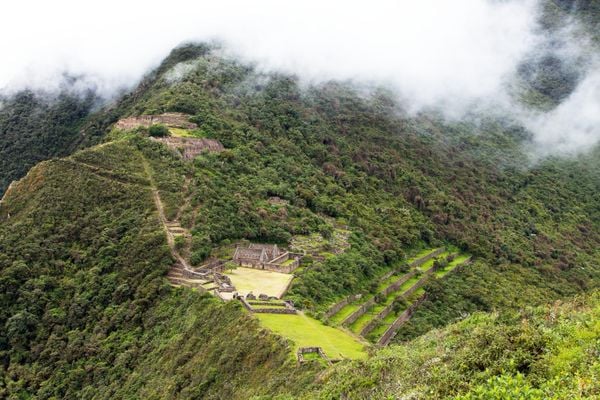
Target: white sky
point(431, 51)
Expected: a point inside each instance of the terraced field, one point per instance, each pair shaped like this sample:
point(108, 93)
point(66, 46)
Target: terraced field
point(407, 293)
point(458, 260)
point(344, 313)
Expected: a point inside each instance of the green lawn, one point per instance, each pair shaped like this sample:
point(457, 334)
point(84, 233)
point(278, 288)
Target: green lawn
point(288, 262)
point(408, 284)
point(179, 132)
point(388, 282)
point(258, 281)
point(421, 255)
point(186, 133)
point(304, 331)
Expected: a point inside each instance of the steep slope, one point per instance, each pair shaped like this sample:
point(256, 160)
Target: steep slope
point(539, 353)
point(34, 128)
point(398, 182)
point(86, 309)
point(36, 125)
point(345, 174)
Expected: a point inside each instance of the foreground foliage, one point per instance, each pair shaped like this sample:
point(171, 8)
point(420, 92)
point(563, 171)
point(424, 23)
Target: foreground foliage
point(548, 352)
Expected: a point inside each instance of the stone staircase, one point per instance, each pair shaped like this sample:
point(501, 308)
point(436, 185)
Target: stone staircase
point(175, 229)
point(178, 277)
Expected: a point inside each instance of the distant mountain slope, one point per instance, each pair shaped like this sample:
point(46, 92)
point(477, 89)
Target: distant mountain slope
point(397, 181)
point(34, 128)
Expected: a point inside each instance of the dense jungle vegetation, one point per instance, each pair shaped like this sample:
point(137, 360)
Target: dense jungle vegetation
point(86, 311)
point(35, 127)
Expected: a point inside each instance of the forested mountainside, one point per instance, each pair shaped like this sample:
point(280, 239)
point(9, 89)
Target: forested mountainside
point(35, 127)
point(86, 308)
point(87, 312)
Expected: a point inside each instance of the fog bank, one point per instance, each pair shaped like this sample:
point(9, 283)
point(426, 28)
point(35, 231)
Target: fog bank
point(432, 52)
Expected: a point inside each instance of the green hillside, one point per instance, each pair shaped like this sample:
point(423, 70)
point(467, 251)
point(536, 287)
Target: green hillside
point(86, 309)
point(34, 128)
point(548, 352)
point(481, 266)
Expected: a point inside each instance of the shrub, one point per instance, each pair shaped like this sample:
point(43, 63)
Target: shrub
point(158, 131)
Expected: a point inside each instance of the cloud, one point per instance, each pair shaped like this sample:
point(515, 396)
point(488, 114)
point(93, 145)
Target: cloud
point(442, 53)
point(574, 125)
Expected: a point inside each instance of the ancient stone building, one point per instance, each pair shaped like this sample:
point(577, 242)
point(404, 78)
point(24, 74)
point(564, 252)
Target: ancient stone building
point(255, 254)
point(271, 250)
point(267, 257)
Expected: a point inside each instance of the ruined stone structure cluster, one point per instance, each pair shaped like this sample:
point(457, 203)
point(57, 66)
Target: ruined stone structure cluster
point(172, 120)
point(267, 257)
point(189, 148)
point(305, 350)
point(205, 278)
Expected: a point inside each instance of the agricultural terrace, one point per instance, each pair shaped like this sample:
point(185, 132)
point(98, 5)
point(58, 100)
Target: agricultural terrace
point(372, 316)
point(304, 331)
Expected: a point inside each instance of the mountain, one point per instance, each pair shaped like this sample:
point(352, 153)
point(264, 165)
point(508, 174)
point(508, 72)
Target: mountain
point(36, 127)
point(481, 264)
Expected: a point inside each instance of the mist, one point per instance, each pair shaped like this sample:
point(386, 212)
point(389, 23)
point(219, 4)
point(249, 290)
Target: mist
point(433, 53)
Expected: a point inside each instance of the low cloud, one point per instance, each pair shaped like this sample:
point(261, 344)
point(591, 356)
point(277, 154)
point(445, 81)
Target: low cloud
point(573, 126)
point(434, 53)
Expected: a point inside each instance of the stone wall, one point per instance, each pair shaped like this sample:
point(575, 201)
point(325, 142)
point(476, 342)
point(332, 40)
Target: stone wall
point(385, 312)
point(285, 269)
point(274, 310)
point(305, 350)
point(334, 309)
point(395, 285)
point(267, 303)
point(428, 257)
point(368, 304)
point(358, 313)
point(189, 148)
point(275, 265)
point(173, 120)
point(286, 309)
point(212, 266)
point(195, 275)
point(371, 325)
point(401, 320)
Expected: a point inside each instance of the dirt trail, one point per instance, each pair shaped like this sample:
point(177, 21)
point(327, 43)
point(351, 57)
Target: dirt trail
point(180, 273)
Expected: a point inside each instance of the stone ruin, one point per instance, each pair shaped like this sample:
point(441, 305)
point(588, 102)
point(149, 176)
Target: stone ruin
point(189, 148)
point(267, 257)
point(172, 120)
point(316, 350)
point(265, 304)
